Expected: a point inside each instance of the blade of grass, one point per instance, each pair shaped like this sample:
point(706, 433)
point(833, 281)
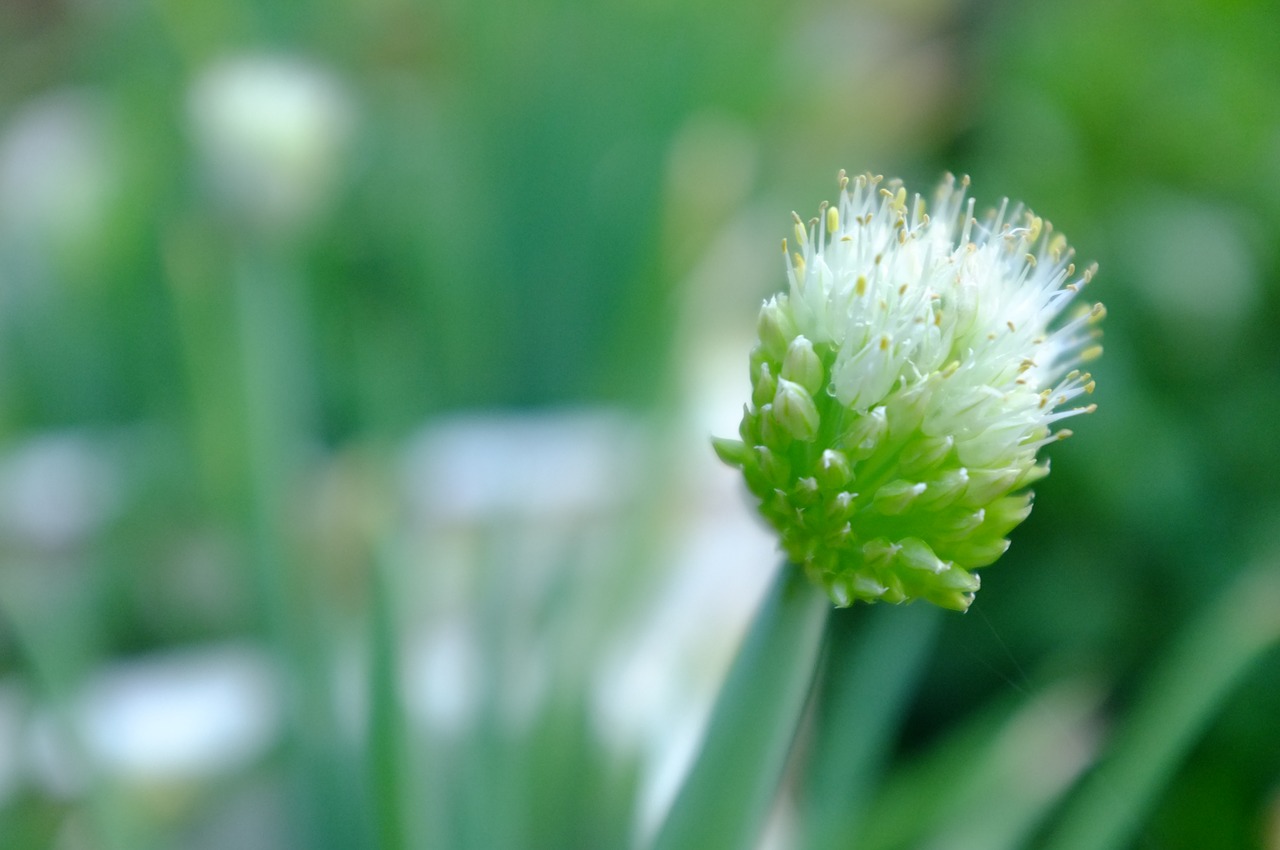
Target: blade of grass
point(727, 793)
point(868, 673)
point(915, 796)
point(1029, 765)
point(1208, 659)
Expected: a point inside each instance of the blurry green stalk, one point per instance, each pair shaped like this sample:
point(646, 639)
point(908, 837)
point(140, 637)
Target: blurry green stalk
point(278, 412)
point(728, 793)
point(860, 667)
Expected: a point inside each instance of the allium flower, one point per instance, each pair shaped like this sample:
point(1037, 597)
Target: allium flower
point(903, 385)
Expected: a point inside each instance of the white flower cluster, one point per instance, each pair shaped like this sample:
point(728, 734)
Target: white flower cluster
point(903, 385)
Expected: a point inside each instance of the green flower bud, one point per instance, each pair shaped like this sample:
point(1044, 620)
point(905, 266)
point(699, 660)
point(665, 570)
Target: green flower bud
point(732, 452)
point(864, 434)
point(925, 453)
point(775, 468)
point(766, 386)
point(945, 489)
point(803, 366)
point(775, 327)
point(895, 497)
point(834, 470)
point(794, 409)
point(915, 554)
point(773, 432)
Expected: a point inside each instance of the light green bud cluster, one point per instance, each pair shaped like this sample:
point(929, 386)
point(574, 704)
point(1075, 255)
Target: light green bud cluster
point(902, 386)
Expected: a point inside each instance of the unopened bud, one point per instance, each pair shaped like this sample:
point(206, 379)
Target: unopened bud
point(775, 327)
point(794, 409)
point(803, 366)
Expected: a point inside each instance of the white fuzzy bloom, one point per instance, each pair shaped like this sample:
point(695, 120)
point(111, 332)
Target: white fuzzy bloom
point(930, 345)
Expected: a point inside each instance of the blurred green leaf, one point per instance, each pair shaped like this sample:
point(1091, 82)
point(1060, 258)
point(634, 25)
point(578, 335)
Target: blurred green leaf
point(1193, 679)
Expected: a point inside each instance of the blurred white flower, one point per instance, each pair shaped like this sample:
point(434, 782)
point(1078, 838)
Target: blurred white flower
point(56, 490)
point(273, 132)
point(58, 168)
point(186, 714)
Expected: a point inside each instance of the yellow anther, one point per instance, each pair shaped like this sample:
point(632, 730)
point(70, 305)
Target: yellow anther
point(1098, 313)
point(1064, 433)
point(902, 290)
point(884, 342)
point(1089, 387)
point(1011, 327)
point(833, 219)
point(860, 286)
point(1031, 260)
point(1035, 229)
point(1093, 352)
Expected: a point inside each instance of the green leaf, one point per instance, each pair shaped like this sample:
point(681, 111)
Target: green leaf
point(1193, 680)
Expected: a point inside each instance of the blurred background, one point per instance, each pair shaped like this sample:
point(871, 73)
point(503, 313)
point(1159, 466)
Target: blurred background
point(357, 364)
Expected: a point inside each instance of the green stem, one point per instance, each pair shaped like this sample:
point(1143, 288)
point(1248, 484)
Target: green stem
point(728, 792)
point(388, 733)
point(868, 676)
point(278, 412)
